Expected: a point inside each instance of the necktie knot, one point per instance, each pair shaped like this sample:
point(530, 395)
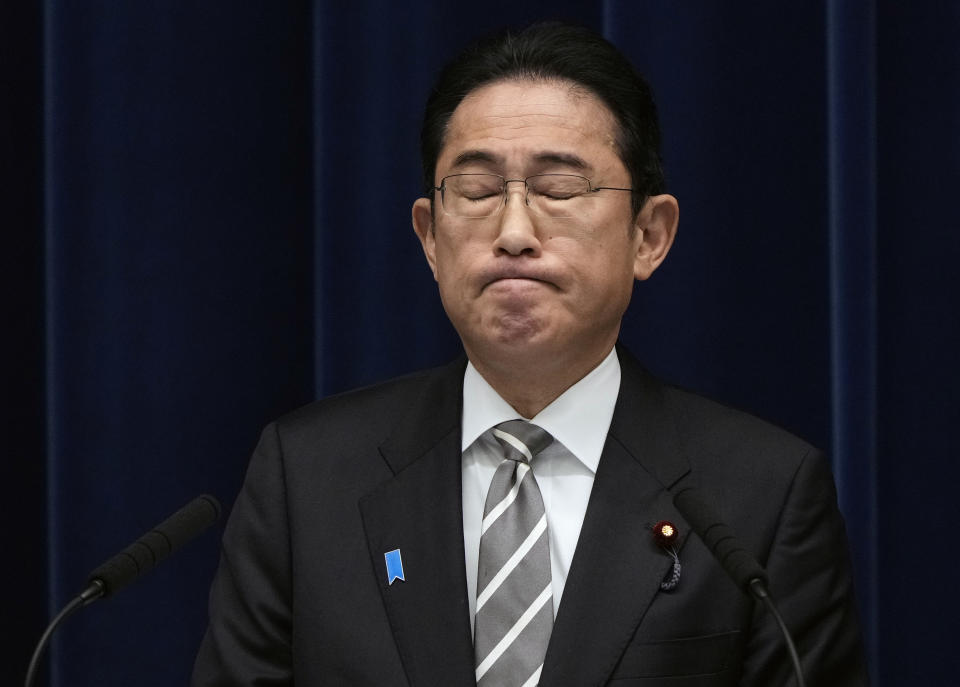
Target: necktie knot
point(521, 440)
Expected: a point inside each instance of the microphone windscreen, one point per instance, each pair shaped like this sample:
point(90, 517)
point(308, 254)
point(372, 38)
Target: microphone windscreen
point(154, 546)
point(740, 565)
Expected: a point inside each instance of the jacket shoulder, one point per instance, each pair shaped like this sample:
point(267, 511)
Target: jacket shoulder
point(370, 413)
point(717, 428)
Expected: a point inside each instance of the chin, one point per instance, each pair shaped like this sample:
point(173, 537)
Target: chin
point(518, 330)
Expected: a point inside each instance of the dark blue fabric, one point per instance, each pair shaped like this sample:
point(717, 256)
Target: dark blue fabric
point(179, 295)
point(852, 165)
point(918, 336)
point(226, 234)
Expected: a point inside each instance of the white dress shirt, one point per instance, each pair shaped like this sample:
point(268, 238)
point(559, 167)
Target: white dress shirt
point(578, 420)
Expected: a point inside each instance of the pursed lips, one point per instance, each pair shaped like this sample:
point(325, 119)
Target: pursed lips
point(509, 273)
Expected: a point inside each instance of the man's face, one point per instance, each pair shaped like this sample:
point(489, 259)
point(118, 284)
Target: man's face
point(518, 286)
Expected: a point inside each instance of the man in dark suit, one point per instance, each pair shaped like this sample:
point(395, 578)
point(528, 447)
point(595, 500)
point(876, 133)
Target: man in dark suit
point(491, 522)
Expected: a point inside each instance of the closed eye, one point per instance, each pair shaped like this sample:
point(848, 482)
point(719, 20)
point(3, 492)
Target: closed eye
point(558, 194)
point(480, 195)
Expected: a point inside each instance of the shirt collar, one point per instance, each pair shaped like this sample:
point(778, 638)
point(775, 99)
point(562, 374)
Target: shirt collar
point(579, 418)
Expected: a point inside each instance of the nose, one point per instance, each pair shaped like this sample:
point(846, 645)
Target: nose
point(516, 234)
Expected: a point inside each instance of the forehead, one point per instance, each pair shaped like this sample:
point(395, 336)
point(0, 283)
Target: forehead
point(513, 122)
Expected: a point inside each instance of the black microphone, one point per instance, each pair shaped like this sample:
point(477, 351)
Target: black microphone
point(135, 560)
point(154, 546)
point(738, 563)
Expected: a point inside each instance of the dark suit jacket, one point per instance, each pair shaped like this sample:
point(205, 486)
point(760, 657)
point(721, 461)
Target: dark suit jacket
point(301, 594)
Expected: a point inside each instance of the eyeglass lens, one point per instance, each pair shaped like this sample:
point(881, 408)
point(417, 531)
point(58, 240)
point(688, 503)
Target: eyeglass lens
point(482, 195)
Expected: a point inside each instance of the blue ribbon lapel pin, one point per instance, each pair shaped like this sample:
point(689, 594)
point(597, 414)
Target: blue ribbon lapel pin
point(394, 566)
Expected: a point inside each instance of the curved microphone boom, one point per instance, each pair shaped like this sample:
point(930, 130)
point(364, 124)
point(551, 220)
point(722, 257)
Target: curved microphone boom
point(135, 560)
point(738, 563)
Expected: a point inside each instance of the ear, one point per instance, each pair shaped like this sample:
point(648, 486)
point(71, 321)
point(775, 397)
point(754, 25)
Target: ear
point(656, 227)
point(423, 225)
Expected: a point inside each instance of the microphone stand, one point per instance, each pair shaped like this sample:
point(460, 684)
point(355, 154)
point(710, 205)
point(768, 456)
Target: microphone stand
point(95, 591)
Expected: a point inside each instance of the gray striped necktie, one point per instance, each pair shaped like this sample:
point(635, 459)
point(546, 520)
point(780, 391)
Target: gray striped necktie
point(514, 593)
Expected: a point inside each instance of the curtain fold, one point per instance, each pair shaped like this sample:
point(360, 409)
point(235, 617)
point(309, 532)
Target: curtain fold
point(179, 305)
point(852, 153)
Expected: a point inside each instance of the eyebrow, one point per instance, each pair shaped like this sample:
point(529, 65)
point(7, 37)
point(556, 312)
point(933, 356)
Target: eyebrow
point(468, 156)
point(547, 157)
point(565, 159)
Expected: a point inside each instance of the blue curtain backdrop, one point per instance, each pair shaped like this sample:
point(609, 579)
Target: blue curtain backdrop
point(207, 222)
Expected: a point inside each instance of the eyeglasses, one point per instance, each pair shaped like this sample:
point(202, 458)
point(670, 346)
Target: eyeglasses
point(484, 195)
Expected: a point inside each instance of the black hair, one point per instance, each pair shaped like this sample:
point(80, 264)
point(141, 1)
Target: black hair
point(554, 51)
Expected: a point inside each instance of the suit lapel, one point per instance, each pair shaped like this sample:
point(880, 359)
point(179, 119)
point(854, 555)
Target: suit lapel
point(419, 513)
point(617, 567)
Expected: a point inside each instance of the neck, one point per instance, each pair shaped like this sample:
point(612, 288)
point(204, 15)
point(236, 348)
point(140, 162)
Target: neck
point(529, 386)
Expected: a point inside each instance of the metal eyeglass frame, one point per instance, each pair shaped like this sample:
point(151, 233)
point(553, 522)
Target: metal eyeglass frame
point(526, 195)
